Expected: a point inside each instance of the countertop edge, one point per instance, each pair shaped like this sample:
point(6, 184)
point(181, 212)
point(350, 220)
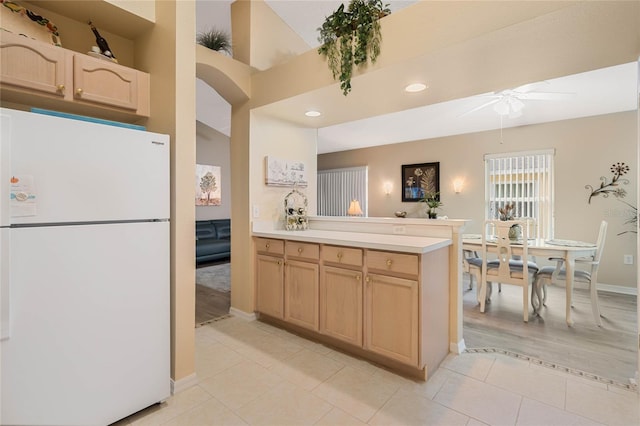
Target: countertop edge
point(401, 243)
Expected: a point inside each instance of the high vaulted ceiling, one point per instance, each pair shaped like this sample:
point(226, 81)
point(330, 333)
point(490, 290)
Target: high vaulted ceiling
point(603, 91)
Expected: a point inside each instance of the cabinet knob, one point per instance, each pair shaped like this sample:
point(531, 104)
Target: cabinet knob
point(279, 262)
point(79, 91)
point(339, 255)
point(60, 88)
point(389, 262)
point(266, 246)
point(358, 277)
point(299, 250)
point(367, 279)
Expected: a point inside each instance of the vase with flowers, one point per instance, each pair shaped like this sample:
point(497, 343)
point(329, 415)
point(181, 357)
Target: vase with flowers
point(506, 213)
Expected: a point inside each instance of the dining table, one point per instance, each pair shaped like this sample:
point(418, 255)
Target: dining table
point(568, 250)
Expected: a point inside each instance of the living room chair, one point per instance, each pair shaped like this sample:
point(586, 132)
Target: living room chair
point(589, 275)
point(509, 267)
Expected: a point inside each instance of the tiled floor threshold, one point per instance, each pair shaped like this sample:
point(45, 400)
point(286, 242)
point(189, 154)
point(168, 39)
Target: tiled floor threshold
point(558, 367)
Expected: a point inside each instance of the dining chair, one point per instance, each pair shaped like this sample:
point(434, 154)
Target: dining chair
point(473, 266)
point(508, 268)
point(586, 272)
point(472, 263)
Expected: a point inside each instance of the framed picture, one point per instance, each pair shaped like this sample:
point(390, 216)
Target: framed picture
point(279, 172)
point(208, 185)
point(420, 179)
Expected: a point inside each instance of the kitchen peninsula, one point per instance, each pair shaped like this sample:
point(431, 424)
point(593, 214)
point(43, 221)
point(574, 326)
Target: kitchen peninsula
point(376, 287)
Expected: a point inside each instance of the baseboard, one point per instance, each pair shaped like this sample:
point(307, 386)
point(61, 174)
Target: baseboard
point(457, 348)
point(247, 316)
point(183, 384)
point(632, 291)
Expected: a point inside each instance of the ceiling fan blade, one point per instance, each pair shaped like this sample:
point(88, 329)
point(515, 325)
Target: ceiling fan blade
point(545, 96)
point(484, 105)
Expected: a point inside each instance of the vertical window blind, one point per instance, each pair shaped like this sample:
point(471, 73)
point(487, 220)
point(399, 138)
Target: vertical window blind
point(524, 179)
point(337, 187)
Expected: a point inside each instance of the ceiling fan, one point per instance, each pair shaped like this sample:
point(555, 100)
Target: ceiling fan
point(511, 102)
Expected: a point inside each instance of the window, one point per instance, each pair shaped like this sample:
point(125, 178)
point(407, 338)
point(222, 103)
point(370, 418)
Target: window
point(524, 179)
point(337, 187)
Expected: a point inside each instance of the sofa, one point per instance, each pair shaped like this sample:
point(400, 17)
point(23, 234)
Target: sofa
point(213, 240)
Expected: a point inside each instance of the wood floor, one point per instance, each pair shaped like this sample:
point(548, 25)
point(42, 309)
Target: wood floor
point(609, 351)
point(211, 304)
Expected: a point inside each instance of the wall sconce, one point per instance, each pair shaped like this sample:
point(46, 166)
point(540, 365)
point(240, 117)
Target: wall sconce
point(387, 187)
point(458, 184)
point(354, 208)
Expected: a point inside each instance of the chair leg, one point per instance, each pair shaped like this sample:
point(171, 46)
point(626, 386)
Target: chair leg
point(594, 303)
point(525, 303)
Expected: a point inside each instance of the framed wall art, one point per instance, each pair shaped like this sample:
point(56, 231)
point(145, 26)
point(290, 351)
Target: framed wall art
point(208, 185)
point(281, 172)
point(419, 180)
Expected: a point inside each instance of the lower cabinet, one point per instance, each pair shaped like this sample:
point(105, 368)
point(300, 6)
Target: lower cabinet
point(301, 294)
point(366, 298)
point(270, 285)
point(391, 324)
point(341, 304)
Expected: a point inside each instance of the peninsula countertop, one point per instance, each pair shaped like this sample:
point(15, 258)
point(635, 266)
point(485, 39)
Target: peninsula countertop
point(391, 242)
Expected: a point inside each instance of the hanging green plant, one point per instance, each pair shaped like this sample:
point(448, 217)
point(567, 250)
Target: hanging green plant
point(351, 37)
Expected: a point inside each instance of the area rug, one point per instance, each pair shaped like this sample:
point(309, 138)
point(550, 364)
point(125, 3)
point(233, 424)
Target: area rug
point(216, 277)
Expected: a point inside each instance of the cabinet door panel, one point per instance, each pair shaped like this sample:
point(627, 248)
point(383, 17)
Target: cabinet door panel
point(341, 304)
point(301, 294)
point(269, 283)
point(32, 65)
point(391, 317)
point(103, 82)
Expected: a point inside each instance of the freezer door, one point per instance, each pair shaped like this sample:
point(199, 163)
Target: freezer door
point(67, 170)
point(89, 323)
point(5, 168)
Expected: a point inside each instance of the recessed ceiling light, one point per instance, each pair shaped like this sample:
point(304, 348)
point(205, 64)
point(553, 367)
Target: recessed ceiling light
point(313, 113)
point(415, 87)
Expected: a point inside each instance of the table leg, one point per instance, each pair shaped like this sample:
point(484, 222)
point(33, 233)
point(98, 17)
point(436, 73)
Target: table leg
point(570, 266)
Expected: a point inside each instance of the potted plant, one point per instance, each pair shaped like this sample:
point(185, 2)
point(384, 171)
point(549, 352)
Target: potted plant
point(432, 200)
point(214, 39)
point(349, 38)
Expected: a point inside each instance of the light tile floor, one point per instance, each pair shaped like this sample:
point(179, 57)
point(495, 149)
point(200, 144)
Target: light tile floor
point(251, 373)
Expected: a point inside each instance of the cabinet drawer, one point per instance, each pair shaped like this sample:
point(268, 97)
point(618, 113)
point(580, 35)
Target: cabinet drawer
point(269, 246)
point(342, 255)
point(393, 262)
point(302, 250)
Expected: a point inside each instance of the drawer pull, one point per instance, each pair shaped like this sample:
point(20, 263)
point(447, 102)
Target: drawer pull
point(299, 250)
point(60, 88)
point(389, 262)
point(79, 91)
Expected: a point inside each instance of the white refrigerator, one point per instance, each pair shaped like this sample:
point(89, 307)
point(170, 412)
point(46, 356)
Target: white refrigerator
point(84, 270)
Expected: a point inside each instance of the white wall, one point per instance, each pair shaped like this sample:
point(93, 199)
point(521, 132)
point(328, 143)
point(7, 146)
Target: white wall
point(271, 137)
point(212, 148)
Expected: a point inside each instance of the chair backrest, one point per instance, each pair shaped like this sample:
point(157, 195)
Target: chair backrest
point(497, 232)
point(602, 235)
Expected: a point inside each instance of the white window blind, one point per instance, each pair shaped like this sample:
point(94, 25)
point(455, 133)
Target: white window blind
point(337, 187)
point(524, 179)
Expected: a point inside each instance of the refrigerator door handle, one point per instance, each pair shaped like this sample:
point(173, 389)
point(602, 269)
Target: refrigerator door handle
point(5, 296)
